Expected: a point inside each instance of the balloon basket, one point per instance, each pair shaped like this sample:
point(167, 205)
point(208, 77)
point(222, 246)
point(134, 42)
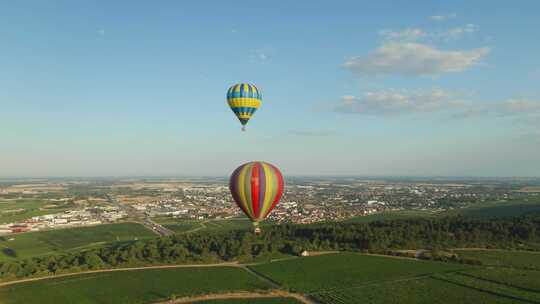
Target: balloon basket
point(256, 229)
point(243, 128)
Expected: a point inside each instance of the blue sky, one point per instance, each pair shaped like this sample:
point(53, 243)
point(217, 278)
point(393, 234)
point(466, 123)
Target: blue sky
point(101, 88)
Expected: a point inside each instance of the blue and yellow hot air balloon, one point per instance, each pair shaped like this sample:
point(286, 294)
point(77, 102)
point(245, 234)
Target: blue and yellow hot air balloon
point(244, 99)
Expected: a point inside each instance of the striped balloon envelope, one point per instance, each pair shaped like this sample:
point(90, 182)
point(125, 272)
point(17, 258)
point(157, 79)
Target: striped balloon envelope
point(256, 187)
point(244, 99)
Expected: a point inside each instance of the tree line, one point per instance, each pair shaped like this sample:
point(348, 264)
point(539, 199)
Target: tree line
point(205, 247)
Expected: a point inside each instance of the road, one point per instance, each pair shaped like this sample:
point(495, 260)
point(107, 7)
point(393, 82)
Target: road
point(141, 218)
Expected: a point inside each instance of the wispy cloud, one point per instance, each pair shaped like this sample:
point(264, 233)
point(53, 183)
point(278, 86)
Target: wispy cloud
point(457, 33)
point(521, 105)
point(417, 34)
point(452, 104)
point(262, 54)
point(312, 133)
point(440, 18)
point(392, 102)
point(408, 34)
point(414, 59)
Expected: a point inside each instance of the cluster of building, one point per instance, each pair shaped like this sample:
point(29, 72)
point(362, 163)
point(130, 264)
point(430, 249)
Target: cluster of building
point(70, 218)
point(304, 201)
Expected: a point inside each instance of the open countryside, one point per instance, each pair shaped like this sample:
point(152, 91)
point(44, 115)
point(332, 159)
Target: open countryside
point(330, 278)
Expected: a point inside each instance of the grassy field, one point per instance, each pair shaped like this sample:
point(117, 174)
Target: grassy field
point(141, 286)
point(353, 278)
point(251, 301)
point(186, 226)
point(53, 241)
point(488, 209)
point(505, 258)
point(519, 278)
point(311, 274)
point(391, 215)
point(422, 291)
point(178, 225)
point(17, 210)
point(500, 209)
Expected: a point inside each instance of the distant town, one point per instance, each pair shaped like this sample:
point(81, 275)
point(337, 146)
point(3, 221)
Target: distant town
point(51, 204)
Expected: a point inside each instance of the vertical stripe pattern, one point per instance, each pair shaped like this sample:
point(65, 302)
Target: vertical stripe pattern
point(256, 187)
point(244, 99)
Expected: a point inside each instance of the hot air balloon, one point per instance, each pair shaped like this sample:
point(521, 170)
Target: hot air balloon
point(244, 99)
point(256, 187)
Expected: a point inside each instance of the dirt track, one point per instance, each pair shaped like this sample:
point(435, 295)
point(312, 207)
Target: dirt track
point(242, 295)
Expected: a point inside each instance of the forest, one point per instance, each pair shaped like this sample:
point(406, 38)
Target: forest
point(434, 234)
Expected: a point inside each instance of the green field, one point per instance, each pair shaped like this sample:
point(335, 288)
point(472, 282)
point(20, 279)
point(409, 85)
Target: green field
point(391, 215)
point(18, 210)
point(187, 226)
point(354, 278)
point(519, 278)
point(312, 274)
point(178, 225)
point(505, 258)
point(500, 209)
point(424, 290)
point(251, 301)
point(228, 224)
point(141, 286)
point(488, 209)
point(38, 243)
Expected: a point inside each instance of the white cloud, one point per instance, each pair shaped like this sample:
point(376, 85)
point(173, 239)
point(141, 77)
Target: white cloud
point(417, 34)
point(442, 17)
point(388, 102)
point(262, 54)
point(414, 59)
point(394, 102)
point(458, 32)
point(408, 34)
point(520, 105)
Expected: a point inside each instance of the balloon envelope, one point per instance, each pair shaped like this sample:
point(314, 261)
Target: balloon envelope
point(256, 188)
point(244, 99)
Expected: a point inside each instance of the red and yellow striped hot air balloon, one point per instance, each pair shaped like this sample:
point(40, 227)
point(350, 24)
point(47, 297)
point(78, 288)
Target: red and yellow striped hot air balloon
point(256, 187)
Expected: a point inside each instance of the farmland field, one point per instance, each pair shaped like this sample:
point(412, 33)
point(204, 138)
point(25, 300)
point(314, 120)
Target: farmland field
point(17, 210)
point(342, 270)
point(185, 225)
point(506, 258)
point(177, 225)
point(30, 244)
point(487, 209)
point(391, 215)
point(500, 208)
point(140, 286)
point(423, 290)
point(520, 278)
point(349, 278)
